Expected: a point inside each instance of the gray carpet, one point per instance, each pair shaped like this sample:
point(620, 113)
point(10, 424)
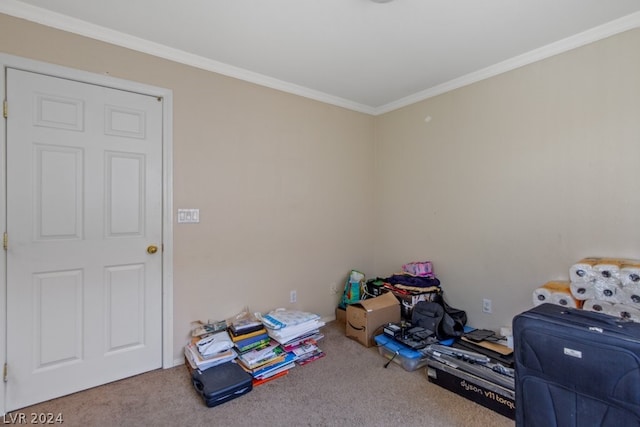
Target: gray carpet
point(348, 387)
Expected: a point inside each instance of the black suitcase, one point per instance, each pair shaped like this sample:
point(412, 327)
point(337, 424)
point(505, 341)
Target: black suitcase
point(222, 383)
point(576, 368)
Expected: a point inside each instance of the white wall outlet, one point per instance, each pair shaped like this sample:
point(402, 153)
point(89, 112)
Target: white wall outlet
point(293, 296)
point(486, 306)
point(333, 289)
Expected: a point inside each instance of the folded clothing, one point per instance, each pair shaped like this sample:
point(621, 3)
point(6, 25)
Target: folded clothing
point(412, 281)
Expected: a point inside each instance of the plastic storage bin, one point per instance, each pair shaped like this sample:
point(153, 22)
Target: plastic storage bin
point(406, 357)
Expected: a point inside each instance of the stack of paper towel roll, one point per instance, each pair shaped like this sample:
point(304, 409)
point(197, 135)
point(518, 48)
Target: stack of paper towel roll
point(607, 285)
point(556, 292)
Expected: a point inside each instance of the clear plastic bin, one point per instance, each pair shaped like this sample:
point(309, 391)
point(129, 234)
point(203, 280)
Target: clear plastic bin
point(405, 356)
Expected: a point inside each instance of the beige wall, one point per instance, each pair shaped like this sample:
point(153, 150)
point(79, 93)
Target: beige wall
point(283, 183)
point(515, 178)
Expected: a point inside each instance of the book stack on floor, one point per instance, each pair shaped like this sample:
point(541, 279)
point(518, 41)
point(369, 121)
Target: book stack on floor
point(269, 350)
point(258, 354)
point(267, 362)
point(249, 340)
point(305, 348)
point(266, 347)
point(297, 332)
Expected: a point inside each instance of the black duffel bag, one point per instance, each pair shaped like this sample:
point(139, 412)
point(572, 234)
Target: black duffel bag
point(440, 318)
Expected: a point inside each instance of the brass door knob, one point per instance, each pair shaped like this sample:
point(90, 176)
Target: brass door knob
point(152, 249)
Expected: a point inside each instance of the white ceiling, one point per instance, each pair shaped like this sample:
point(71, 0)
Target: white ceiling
point(359, 54)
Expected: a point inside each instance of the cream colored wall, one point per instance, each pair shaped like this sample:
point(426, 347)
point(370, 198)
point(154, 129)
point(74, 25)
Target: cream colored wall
point(515, 178)
point(283, 183)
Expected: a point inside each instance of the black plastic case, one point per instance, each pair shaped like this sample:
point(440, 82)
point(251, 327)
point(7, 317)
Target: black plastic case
point(222, 383)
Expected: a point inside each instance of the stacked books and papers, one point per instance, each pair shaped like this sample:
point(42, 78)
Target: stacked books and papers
point(244, 326)
point(259, 357)
point(305, 348)
point(266, 362)
point(265, 346)
point(287, 325)
point(251, 340)
point(209, 350)
point(257, 352)
point(297, 332)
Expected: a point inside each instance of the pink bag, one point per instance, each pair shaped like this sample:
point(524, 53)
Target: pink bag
point(421, 268)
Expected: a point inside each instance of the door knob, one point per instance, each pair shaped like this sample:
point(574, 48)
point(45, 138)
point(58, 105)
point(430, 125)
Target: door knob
point(152, 249)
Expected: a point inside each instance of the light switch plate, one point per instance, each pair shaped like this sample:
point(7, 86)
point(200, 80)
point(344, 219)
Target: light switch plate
point(188, 216)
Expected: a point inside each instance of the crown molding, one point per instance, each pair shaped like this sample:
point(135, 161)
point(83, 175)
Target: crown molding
point(86, 29)
point(617, 26)
point(83, 28)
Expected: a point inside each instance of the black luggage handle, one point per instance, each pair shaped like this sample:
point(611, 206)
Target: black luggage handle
point(605, 319)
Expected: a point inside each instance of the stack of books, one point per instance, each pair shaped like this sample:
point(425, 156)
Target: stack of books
point(267, 348)
point(297, 331)
point(258, 353)
point(305, 348)
point(267, 362)
point(244, 326)
point(250, 340)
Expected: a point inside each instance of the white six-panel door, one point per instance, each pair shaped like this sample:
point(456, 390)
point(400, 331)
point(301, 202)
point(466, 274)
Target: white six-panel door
point(84, 215)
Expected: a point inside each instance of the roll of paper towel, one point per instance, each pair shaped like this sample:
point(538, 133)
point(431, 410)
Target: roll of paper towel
point(630, 274)
point(627, 312)
point(598, 306)
point(611, 267)
point(555, 292)
point(583, 271)
point(631, 294)
point(608, 268)
point(583, 290)
point(608, 290)
point(565, 300)
point(541, 296)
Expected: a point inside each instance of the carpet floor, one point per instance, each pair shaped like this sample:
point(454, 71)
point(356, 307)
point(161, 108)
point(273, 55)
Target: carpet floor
point(348, 387)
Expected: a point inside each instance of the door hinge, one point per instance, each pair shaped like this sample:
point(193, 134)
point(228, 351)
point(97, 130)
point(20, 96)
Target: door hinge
point(5, 373)
point(5, 241)
point(5, 109)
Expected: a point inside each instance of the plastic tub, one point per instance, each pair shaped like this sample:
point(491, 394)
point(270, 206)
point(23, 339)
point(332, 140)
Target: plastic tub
point(405, 356)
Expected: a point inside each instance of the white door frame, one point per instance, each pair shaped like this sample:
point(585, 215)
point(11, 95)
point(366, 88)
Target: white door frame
point(11, 61)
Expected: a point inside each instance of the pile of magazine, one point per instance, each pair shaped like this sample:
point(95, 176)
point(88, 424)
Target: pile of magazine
point(266, 346)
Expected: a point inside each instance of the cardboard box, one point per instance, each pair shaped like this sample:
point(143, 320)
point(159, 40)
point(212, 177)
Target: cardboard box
point(341, 315)
point(366, 316)
point(479, 390)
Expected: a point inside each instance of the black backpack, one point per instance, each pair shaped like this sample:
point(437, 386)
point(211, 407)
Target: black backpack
point(440, 318)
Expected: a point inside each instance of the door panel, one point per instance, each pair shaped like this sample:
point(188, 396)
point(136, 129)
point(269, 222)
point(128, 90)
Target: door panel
point(124, 194)
point(84, 200)
point(58, 311)
point(58, 177)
